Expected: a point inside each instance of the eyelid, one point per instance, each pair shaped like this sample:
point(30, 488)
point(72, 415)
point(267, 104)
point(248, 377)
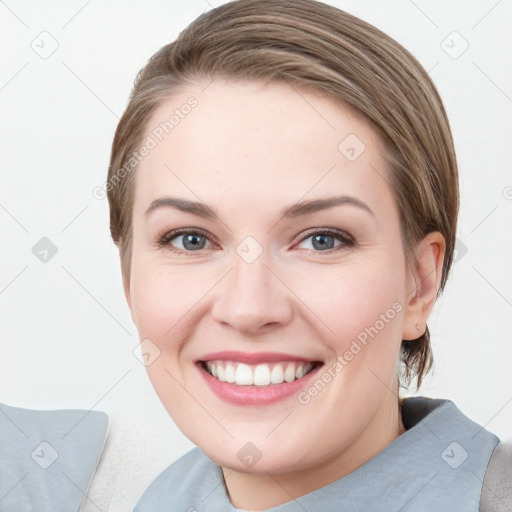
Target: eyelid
point(165, 239)
point(346, 237)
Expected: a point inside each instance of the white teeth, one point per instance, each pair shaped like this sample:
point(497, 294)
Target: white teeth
point(277, 375)
point(289, 373)
point(244, 375)
point(229, 373)
point(260, 375)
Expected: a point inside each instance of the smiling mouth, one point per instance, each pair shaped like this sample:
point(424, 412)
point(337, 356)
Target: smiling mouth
point(263, 374)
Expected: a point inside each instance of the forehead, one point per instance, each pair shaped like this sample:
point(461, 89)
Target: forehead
point(271, 142)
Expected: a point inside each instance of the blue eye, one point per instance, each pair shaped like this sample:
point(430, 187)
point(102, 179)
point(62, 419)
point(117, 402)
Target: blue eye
point(324, 240)
point(191, 240)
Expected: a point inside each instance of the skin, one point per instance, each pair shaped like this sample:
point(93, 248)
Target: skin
point(248, 150)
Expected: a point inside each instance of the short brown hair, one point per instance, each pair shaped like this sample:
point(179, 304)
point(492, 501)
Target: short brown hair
point(311, 45)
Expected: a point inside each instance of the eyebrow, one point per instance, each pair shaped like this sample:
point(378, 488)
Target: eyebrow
point(296, 210)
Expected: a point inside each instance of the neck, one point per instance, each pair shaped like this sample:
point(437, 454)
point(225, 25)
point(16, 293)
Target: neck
point(254, 492)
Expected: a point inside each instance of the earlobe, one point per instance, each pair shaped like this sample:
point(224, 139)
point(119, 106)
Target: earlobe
point(423, 285)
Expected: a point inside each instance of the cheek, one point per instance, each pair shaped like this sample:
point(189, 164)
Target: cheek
point(341, 300)
point(160, 300)
point(358, 313)
point(347, 299)
point(164, 305)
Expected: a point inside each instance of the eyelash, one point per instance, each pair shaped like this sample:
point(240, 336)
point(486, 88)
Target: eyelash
point(345, 239)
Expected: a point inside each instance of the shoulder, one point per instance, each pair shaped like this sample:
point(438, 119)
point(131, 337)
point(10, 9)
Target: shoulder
point(497, 485)
point(181, 480)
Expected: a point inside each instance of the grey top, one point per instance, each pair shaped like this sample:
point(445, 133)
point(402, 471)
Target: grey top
point(497, 488)
point(439, 464)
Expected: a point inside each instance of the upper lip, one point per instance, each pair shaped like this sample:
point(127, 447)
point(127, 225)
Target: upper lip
point(253, 357)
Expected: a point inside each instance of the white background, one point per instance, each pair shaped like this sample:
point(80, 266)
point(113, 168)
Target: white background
point(67, 339)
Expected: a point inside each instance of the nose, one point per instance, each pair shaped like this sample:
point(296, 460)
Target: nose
point(252, 298)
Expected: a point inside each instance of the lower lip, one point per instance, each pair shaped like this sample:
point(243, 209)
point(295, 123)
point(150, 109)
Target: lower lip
point(255, 395)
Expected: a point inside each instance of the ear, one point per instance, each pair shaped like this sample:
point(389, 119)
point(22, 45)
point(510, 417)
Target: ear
point(422, 285)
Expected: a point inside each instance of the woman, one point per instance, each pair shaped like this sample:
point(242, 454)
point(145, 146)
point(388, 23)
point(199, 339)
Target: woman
point(283, 191)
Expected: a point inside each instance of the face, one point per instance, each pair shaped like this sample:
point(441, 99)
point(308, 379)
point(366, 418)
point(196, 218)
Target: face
point(268, 277)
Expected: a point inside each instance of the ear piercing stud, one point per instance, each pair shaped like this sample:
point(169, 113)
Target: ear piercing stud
point(418, 328)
